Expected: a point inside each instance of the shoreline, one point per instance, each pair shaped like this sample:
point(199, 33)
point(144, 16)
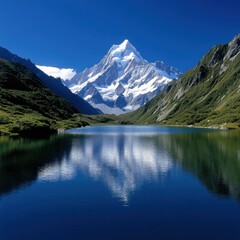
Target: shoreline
point(32, 133)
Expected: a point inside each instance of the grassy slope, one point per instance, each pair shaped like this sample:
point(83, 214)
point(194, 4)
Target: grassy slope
point(26, 105)
point(203, 96)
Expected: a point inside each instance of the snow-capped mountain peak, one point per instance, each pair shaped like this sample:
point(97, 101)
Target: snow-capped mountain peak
point(124, 46)
point(122, 81)
point(122, 54)
point(123, 50)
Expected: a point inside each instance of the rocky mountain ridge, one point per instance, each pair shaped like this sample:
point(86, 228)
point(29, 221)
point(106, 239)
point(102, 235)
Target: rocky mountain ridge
point(122, 81)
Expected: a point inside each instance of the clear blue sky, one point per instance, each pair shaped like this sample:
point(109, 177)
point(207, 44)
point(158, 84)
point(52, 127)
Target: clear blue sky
point(78, 33)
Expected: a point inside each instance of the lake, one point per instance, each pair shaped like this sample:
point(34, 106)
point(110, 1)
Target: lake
point(121, 182)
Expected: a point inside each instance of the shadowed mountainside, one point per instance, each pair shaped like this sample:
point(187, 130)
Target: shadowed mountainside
point(54, 84)
point(27, 106)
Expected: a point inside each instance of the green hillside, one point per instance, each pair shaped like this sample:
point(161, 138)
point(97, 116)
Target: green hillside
point(27, 107)
point(207, 95)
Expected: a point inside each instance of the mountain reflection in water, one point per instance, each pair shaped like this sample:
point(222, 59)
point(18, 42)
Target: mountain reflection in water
point(123, 162)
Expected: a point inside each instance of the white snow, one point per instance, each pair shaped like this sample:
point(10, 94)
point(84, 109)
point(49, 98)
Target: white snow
point(88, 97)
point(136, 75)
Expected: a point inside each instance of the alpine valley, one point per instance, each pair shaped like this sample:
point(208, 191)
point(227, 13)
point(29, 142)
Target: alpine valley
point(122, 81)
point(207, 95)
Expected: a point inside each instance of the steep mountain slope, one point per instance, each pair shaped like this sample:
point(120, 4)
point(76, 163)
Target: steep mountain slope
point(54, 84)
point(122, 81)
point(207, 95)
point(26, 106)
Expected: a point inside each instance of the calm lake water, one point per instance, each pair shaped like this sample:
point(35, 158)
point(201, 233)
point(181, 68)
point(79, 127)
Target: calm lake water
point(121, 182)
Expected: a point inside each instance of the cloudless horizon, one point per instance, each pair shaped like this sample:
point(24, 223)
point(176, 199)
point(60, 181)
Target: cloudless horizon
point(77, 34)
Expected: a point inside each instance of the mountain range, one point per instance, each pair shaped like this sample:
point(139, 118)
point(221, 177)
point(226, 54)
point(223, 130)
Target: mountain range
point(122, 81)
point(206, 95)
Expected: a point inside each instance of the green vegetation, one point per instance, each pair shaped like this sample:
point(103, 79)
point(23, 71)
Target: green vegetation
point(27, 107)
point(207, 95)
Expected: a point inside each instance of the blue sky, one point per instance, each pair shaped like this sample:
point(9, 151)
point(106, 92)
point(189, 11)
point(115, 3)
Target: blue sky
point(78, 33)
